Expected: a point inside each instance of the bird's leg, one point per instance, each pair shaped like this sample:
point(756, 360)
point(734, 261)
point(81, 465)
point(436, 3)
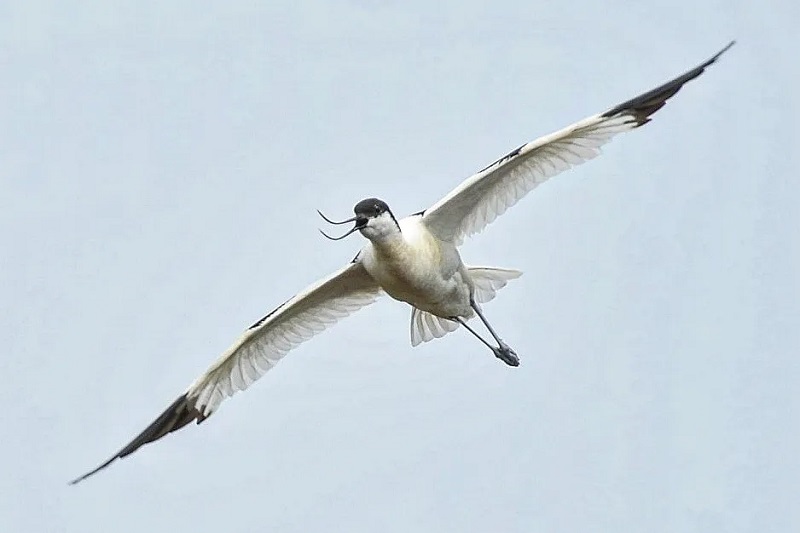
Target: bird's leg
point(503, 351)
point(464, 323)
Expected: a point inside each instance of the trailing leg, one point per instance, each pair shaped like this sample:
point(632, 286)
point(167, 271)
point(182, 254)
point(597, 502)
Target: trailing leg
point(503, 351)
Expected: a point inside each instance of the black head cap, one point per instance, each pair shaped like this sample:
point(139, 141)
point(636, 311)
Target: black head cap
point(371, 208)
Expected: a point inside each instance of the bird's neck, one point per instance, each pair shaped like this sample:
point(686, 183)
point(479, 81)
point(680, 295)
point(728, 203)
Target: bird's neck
point(388, 243)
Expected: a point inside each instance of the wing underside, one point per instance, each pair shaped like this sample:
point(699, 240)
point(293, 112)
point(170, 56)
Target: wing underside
point(480, 199)
point(259, 349)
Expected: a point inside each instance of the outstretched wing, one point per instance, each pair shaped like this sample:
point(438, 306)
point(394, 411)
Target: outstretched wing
point(259, 349)
point(480, 199)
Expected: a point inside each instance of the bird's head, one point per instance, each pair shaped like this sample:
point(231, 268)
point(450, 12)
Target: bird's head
point(373, 218)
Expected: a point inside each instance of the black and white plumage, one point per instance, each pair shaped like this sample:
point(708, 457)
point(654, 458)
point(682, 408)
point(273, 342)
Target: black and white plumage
point(414, 260)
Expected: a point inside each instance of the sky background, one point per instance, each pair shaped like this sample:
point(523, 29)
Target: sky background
point(160, 167)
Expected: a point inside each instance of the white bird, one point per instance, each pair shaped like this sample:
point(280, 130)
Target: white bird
point(413, 260)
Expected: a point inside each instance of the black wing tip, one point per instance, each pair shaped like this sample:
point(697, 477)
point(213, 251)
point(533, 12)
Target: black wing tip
point(93, 472)
point(178, 414)
point(727, 47)
point(643, 106)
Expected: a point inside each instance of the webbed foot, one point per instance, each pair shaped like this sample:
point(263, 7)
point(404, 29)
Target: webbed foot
point(506, 354)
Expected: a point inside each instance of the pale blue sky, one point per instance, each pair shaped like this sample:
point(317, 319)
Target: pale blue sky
point(161, 167)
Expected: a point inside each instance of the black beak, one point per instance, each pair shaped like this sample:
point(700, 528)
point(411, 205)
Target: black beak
point(360, 223)
point(329, 221)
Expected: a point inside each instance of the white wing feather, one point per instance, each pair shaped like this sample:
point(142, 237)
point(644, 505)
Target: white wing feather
point(259, 349)
point(426, 327)
point(266, 342)
point(480, 199)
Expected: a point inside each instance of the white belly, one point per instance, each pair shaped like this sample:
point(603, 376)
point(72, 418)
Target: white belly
point(413, 267)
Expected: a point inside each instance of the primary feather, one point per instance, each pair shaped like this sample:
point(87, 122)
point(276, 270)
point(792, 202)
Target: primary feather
point(481, 198)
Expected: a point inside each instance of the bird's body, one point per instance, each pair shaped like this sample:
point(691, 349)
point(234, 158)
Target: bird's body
point(413, 266)
point(415, 260)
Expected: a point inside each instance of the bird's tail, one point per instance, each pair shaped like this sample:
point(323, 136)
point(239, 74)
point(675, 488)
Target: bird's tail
point(489, 280)
point(486, 280)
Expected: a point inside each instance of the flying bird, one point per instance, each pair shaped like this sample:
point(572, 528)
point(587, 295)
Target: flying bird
point(414, 260)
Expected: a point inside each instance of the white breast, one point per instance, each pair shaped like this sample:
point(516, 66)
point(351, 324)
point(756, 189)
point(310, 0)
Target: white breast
point(414, 267)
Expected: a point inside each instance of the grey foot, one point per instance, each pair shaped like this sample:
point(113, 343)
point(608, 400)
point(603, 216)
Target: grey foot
point(506, 354)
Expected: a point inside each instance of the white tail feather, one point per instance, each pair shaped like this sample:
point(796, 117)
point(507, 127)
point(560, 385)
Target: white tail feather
point(489, 280)
point(486, 280)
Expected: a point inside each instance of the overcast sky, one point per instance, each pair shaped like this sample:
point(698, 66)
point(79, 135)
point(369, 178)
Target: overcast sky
point(160, 167)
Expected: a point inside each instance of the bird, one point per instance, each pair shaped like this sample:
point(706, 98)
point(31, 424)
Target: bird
point(413, 260)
